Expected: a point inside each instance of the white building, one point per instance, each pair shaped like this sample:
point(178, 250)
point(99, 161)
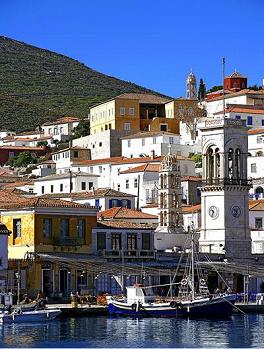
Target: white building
point(147, 143)
point(241, 98)
point(65, 158)
point(46, 168)
point(60, 129)
point(103, 199)
point(110, 169)
point(105, 144)
point(65, 183)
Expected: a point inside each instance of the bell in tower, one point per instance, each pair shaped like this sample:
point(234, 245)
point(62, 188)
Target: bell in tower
point(224, 193)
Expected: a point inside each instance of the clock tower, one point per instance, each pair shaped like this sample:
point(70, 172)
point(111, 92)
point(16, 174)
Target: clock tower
point(224, 192)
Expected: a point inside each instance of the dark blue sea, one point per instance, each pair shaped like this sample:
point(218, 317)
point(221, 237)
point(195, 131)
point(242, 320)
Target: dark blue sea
point(105, 332)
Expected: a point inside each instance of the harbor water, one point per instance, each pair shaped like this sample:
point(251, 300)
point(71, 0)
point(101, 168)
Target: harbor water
point(104, 331)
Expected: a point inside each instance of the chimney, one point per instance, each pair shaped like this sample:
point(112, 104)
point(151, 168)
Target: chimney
point(152, 154)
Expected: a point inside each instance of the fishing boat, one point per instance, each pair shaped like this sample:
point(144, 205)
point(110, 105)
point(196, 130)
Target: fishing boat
point(193, 300)
point(18, 316)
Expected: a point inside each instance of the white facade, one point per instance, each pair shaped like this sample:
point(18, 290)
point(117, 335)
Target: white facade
point(61, 129)
point(146, 144)
point(65, 158)
point(45, 169)
point(65, 183)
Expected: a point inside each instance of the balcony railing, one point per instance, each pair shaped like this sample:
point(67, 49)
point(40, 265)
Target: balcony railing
point(68, 241)
point(128, 254)
point(227, 181)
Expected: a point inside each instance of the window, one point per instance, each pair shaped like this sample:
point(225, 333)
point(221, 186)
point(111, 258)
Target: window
point(147, 193)
point(258, 223)
point(61, 130)
point(83, 185)
point(100, 144)
point(249, 120)
point(101, 241)
point(100, 169)
point(131, 111)
point(116, 242)
point(131, 242)
point(71, 186)
point(171, 140)
point(127, 126)
point(75, 154)
point(145, 241)
point(127, 183)
point(114, 203)
point(61, 187)
point(163, 127)
point(17, 228)
point(106, 127)
point(109, 126)
point(253, 168)
point(262, 122)
point(49, 131)
point(154, 140)
point(47, 228)
point(81, 228)
point(260, 139)
point(135, 183)
point(64, 227)
point(238, 117)
point(91, 169)
point(51, 188)
point(11, 155)
point(143, 142)
point(118, 187)
point(129, 143)
point(91, 185)
point(122, 110)
point(42, 189)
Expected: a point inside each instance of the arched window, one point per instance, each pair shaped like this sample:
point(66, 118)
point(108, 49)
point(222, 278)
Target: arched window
point(238, 163)
point(165, 218)
point(217, 164)
point(161, 200)
point(161, 218)
point(165, 181)
point(210, 164)
point(161, 181)
point(230, 163)
point(165, 200)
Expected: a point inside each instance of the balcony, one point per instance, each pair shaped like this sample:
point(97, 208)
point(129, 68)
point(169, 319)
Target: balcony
point(226, 181)
point(68, 241)
point(119, 254)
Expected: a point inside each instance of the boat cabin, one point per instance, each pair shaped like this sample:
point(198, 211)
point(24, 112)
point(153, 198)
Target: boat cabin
point(137, 293)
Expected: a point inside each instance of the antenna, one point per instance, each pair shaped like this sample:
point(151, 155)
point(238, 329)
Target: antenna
point(223, 71)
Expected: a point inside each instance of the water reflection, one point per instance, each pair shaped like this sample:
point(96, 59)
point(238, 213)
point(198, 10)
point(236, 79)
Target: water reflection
point(240, 331)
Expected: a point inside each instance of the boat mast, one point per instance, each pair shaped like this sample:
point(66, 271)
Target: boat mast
point(192, 272)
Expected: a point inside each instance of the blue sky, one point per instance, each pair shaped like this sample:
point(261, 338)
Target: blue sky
point(153, 43)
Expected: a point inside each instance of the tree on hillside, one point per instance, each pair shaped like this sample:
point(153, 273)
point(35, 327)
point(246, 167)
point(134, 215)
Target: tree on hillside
point(82, 129)
point(190, 112)
point(202, 90)
point(22, 160)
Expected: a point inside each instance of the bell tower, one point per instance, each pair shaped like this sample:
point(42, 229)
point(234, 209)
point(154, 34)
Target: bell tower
point(169, 233)
point(191, 88)
point(224, 192)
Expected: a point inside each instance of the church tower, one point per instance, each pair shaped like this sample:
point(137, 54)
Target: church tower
point(224, 193)
point(170, 220)
point(191, 90)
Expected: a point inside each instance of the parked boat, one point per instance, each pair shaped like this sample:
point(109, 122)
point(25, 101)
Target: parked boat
point(193, 299)
point(29, 316)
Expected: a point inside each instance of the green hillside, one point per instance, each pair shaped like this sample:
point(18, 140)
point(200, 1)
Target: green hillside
point(38, 85)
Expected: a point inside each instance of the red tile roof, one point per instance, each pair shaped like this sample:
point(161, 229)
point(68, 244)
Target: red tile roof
point(97, 193)
point(256, 131)
point(241, 110)
point(16, 147)
point(127, 225)
point(125, 160)
point(146, 134)
point(124, 213)
point(191, 178)
point(9, 200)
point(143, 168)
point(239, 93)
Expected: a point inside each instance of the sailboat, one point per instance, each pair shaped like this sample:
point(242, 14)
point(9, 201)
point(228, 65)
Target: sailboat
point(140, 300)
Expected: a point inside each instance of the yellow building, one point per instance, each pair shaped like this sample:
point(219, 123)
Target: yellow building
point(132, 112)
point(46, 227)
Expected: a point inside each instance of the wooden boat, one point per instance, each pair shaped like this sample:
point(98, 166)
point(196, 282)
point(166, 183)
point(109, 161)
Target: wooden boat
point(18, 316)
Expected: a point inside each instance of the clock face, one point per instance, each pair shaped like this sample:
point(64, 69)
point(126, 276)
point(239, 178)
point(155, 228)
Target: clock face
point(236, 211)
point(213, 212)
